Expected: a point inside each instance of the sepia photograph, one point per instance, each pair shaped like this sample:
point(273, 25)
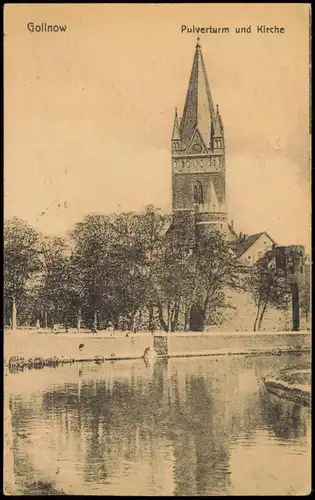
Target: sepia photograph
point(157, 249)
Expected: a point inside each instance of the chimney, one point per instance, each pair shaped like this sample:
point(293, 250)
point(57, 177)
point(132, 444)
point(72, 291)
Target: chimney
point(232, 224)
point(245, 237)
point(241, 236)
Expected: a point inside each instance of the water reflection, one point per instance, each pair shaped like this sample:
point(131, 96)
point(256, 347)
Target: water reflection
point(287, 420)
point(177, 427)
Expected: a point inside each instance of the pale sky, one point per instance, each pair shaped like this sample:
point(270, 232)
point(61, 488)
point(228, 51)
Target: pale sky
point(89, 112)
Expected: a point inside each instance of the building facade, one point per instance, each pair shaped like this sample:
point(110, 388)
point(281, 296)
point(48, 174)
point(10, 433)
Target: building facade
point(198, 157)
point(199, 203)
point(249, 249)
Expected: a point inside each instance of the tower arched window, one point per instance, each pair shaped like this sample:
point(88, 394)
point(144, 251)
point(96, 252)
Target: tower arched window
point(198, 192)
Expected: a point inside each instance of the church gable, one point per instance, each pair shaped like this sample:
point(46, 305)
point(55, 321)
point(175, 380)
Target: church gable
point(252, 248)
point(196, 144)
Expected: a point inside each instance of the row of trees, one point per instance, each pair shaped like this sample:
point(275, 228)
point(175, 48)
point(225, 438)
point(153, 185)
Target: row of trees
point(128, 271)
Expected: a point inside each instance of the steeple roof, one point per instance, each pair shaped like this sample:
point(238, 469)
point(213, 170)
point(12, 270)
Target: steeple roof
point(214, 203)
point(218, 126)
point(219, 119)
point(199, 109)
point(176, 133)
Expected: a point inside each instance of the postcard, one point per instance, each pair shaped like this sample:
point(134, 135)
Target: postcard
point(157, 249)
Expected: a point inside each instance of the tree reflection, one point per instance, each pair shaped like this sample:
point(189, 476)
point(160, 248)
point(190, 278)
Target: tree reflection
point(287, 420)
point(111, 421)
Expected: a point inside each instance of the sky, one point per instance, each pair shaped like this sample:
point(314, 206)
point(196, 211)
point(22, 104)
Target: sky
point(88, 113)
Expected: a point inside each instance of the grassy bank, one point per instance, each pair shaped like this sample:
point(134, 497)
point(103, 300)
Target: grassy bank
point(294, 385)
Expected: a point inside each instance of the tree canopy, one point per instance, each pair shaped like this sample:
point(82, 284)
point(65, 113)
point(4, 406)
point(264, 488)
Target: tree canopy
point(128, 271)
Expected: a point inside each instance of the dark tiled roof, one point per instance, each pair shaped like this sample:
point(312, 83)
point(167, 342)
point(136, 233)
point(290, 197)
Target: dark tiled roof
point(241, 245)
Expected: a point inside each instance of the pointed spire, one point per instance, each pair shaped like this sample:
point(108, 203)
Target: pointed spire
point(214, 203)
point(198, 110)
point(220, 120)
point(176, 133)
point(218, 126)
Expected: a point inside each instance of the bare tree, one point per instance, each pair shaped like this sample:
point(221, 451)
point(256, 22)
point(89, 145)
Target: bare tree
point(173, 287)
point(216, 272)
point(268, 286)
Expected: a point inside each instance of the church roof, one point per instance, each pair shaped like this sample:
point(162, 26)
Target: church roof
point(198, 109)
point(213, 205)
point(218, 126)
point(241, 245)
point(219, 117)
point(176, 133)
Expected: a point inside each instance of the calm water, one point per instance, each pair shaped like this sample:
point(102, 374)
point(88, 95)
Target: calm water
point(196, 426)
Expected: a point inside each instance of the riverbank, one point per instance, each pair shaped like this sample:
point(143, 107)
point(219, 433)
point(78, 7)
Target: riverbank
point(33, 349)
point(37, 349)
point(294, 385)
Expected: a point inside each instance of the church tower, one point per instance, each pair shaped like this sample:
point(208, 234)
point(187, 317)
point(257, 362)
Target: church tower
point(198, 157)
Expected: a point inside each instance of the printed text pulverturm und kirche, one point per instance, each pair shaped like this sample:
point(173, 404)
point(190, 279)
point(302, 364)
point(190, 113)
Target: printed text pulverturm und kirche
point(259, 29)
